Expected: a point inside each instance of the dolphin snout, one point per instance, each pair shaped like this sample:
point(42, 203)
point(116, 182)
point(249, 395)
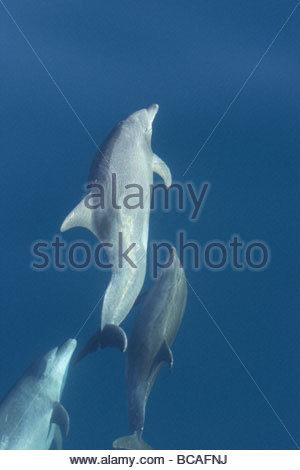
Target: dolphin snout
point(67, 348)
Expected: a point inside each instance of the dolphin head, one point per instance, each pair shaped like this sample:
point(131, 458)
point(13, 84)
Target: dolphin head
point(52, 368)
point(141, 121)
point(62, 360)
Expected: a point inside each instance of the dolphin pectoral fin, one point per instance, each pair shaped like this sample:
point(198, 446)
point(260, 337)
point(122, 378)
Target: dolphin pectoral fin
point(61, 418)
point(167, 355)
point(131, 443)
point(113, 336)
point(159, 167)
point(164, 355)
point(80, 216)
point(58, 438)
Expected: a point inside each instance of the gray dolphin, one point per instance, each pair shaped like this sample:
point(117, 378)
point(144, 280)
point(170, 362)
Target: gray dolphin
point(153, 333)
point(124, 161)
point(30, 414)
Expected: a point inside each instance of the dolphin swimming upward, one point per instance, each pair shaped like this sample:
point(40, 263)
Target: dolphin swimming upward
point(125, 160)
point(154, 331)
point(30, 414)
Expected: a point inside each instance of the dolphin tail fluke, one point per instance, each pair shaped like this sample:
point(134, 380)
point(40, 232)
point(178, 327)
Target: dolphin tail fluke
point(131, 443)
point(113, 336)
point(93, 344)
point(80, 216)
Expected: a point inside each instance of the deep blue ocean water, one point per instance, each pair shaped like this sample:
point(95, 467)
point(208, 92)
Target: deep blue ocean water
point(192, 58)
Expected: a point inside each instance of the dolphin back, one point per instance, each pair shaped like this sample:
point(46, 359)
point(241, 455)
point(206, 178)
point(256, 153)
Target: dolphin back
point(132, 442)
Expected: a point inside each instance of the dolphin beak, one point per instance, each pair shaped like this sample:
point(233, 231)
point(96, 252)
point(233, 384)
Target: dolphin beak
point(66, 350)
point(152, 111)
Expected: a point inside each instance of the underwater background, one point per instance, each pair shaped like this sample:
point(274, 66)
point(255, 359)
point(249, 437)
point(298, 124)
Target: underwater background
point(192, 58)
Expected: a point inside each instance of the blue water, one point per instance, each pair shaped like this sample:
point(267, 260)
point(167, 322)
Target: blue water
point(110, 59)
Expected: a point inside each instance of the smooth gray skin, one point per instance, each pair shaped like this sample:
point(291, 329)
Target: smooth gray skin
point(154, 331)
point(127, 153)
point(28, 410)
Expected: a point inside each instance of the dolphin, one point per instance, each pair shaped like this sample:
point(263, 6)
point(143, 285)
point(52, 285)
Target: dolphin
point(153, 333)
point(125, 160)
point(31, 415)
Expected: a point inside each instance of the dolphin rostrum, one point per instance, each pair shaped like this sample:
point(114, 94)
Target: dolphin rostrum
point(31, 415)
point(153, 333)
point(124, 162)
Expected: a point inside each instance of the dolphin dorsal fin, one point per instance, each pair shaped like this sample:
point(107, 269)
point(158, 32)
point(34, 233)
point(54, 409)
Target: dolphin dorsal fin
point(61, 418)
point(159, 167)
